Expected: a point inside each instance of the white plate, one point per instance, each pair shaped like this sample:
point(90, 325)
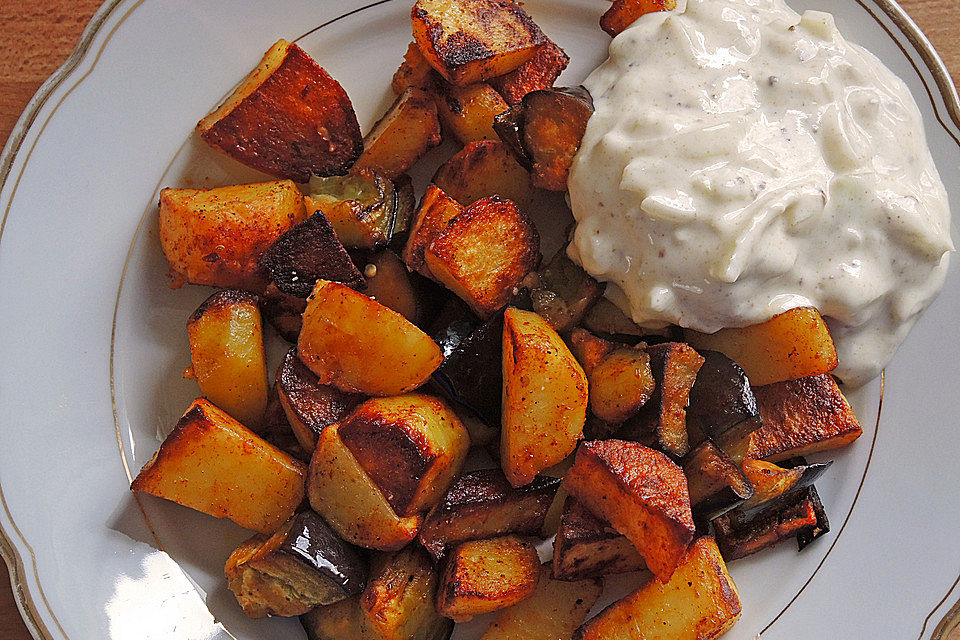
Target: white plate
point(94, 342)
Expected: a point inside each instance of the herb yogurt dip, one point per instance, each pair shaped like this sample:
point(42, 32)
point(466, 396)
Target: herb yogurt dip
point(744, 160)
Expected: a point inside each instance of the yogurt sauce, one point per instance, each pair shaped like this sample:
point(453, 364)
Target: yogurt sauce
point(743, 161)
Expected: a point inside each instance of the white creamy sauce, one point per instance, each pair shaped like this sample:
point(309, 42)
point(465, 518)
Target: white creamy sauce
point(743, 161)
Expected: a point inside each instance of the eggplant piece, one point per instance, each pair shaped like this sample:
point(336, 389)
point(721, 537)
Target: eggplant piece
point(545, 131)
point(310, 407)
point(807, 536)
point(303, 565)
point(482, 504)
point(338, 621)
point(588, 547)
point(564, 292)
point(453, 325)
point(716, 483)
point(283, 311)
point(771, 482)
point(276, 428)
point(406, 207)
point(306, 253)
point(606, 319)
point(722, 404)
point(362, 207)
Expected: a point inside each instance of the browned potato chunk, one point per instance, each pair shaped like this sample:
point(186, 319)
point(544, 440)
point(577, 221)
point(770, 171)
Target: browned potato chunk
point(358, 345)
point(544, 397)
point(487, 575)
point(792, 345)
point(539, 72)
point(310, 407)
point(642, 493)
point(801, 417)
point(482, 169)
point(700, 602)
point(398, 603)
point(411, 446)
point(414, 71)
point(409, 129)
point(351, 503)
point(484, 253)
point(436, 210)
point(588, 547)
point(467, 41)
point(468, 112)
point(212, 463)
point(589, 349)
point(226, 347)
point(621, 384)
point(388, 282)
point(215, 236)
point(624, 13)
point(288, 118)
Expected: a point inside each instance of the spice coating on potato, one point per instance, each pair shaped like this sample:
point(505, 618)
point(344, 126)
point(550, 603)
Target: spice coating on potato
point(403, 135)
point(288, 118)
point(414, 71)
point(624, 13)
point(468, 111)
point(485, 168)
point(539, 72)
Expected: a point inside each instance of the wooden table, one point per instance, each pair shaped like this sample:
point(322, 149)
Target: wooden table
point(36, 36)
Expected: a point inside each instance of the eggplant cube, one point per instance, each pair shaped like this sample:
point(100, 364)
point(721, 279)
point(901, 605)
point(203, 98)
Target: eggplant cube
point(361, 207)
point(403, 135)
point(722, 403)
point(288, 118)
point(338, 621)
point(715, 482)
point(621, 384)
point(483, 504)
point(411, 446)
point(565, 292)
point(587, 547)
point(642, 493)
point(487, 575)
point(303, 565)
point(772, 483)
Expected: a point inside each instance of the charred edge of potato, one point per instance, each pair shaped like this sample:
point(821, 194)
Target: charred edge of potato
point(312, 124)
point(468, 112)
point(539, 72)
point(485, 168)
point(715, 482)
point(624, 13)
point(588, 547)
point(403, 135)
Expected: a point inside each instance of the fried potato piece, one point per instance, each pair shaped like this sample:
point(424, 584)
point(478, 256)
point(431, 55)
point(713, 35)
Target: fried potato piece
point(700, 602)
point(468, 111)
point(216, 236)
point(589, 350)
point(414, 71)
point(624, 13)
point(436, 210)
point(468, 41)
point(360, 346)
point(483, 253)
point(481, 169)
point(212, 463)
point(402, 136)
point(621, 384)
point(642, 493)
point(487, 575)
point(288, 118)
point(539, 72)
point(544, 397)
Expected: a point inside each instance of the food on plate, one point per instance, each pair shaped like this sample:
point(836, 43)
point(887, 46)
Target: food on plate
point(699, 601)
point(623, 13)
point(715, 482)
point(436, 210)
point(390, 284)
point(621, 383)
point(588, 547)
point(312, 127)
point(639, 491)
point(361, 207)
point(226, 351)
point(414, 71)
point(771, 482)
point(212, 463)
point(411, 446)
point(722, 404)
point(403, 135)
point(283, 312)
point(485, 168)
point(468, 41)
point(766, 182)
point(562, 292)
point(216, 236)
point(481, 576)
point(338, 621)
point(539, 72)
point(544, 397)
point(468, 111)
point(301, 566)
point(343, 338)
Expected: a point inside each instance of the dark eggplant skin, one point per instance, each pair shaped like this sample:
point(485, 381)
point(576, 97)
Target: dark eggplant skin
point(587, 547)
point(716, 483)
point(722, 405)
point(311, 541)
point(509, 126)
point(805, 537)
point(452, 325)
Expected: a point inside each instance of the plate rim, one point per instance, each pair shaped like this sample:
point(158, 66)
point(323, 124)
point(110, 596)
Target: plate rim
point(10, 550)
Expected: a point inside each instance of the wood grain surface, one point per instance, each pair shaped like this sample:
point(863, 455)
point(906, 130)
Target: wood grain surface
point(36, 36)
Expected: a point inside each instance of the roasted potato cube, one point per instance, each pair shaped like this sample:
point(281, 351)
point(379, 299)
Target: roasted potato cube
point(283, 311)
point(699, 602)
point(411, 446)
point(801, 417)
point(485, 168)
point(487, 575)
point(674, 366)
point(795, 344)
point(468, 112)
point(562, 292)
point(588, 547)
point(722, 404)
point(483, 254)
point(621, 384)
point(436, 210)
point(310, 407)
point(539, 72)
point(482, 504)
point(414, 71)
point(398, 603)
point(301, 566)
point(338, 621)
point(589, 349)
point(388, 282)
point(351, 503)
point(715, 482)
point(215, 236)
point(288, 118)
point(403, 135)
point(544, 397)
point(624, 13)
point(226, 347)
point(358, 345)
point(467, 41)
point(362, 207)
point(212, 463)
point(642, 493)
